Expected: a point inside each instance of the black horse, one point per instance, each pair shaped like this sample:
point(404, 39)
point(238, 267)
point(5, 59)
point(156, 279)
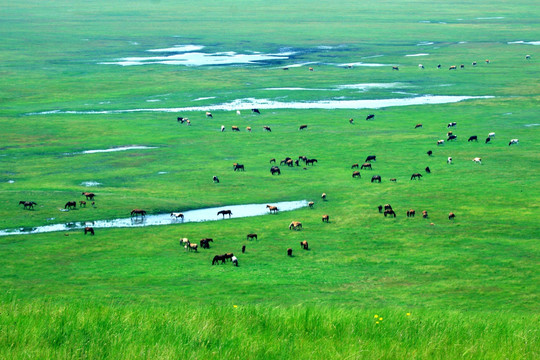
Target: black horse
point(71, 205)
point(376, 178)
point(27, 204)
point(224, 212)
point(138, 212)
point(416, 176)
point(215, 179)
point(238, 167)
point(89, 229)
point(218, 258)
point(371, 157)
point(275, 169)
point(370, 116)
point(256, 111)
point(311, 161)
point(473, 138)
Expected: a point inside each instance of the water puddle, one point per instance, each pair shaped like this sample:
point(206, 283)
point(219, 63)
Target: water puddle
point(208, 214)
point(90, 183)
point(120, 148)
point(421, 54)
point(251, 103)
point(525, 42)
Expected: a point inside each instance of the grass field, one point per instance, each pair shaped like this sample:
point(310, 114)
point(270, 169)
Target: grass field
point(466, 288)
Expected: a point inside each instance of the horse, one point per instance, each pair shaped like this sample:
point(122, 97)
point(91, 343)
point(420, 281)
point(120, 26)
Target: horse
point(209, 114)
point(527, 57)
point(218, 258)
point(418, 126)
point(387, 207)
point(420, 66)
point(311, 161)
point(273, 160)
point(235, 128)
point(89, 229)
point(225, 212)
point(228, 256)
point(491, 135)
point(473, 138)
point(325, 218)
point(310, 69)
point(376, 178)
point(304, 245)
point(513, 142)
point(295, 225)
point(215, 179)
point(252, 236)
point(393, 180)
point(180, 119)
point(27, 204)
point(488, 140)
point(380, 207)
point(310, 204)
point(192, 247)
point(416, 176)
point(89, 195)
point(439, 66)
point(289, 252)
point(351, 121)
point(222, 128)
point(275, 169)
point(424, 214)
point(290, 163)
point(474, 63)
point(82, 203)
point(205, 243)
point(184, 241)
point(273, 209)
point(284, 161)
point(255, 111)
point(428, 170)
point(453, 67)
point(440, 142)
point(477, 160)
point(267, 128)
point(71, 205)
point(297, 162)
point(355, 166)
point(411, 213)
point(323, 196)
point(452, 124)
point(238, 167)
point(462, 66)
point(451, 216)
point(370, 116)
point(248, 129)
point(356, 174)
point(177, 215)
point(389, 212)
point(429, 153)
point(243, 249)
point(395, 68)
point(366, 166)
point(449, 160)
point(371, 157)
point(452, 137)
point(302, 127)
point(138, 212)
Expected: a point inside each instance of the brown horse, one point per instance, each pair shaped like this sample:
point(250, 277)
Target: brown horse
point(273, 160)
point(451, 216)
point(416, 176)
point(273, 209)
point(311, 161)
point(71, 205)
point(82, 203)
point(138, 212)
point(389, 212)
point(251, 236)
point(89, 229)
point(225, 212)
point(27, 204)
point(366, 166)
point(355, 166)
point(218, 258)
point(89, 195)
point(295, 225)
point(310, 204)
point(424, 214)
point(376, 178)
point(325, 218)
point(304, 245)
point(356, 174)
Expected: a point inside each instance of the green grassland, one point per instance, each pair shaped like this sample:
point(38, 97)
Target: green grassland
point(470, 286)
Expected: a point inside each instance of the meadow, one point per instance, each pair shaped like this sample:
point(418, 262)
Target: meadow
point(370, 287)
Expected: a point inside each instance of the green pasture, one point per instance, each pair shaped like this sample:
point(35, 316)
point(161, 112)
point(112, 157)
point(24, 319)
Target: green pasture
point(470, 285)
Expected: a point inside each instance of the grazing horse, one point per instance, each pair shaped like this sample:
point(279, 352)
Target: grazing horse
point(528, 57)
point(218, 258)
point(82, 203)
point(275, 169)
point(290, 163)
point(235, 128)
point(451, 216)
point(474, 63)
point(310, 204)
point(267, 128)
point(273, 160)
point(366, 166)
point(209, 114)
point(416, 176)
point(222, 128)
point(420, 66)
point(243, 249)
point(255, 111)
point(451, 137)
point(411, 213)
point(238, 167)
point(371, 157)
point(424, 214)
point(138, 212)
point(380, 207)
point(225, 212)
point(311, 161)
point(310, 69)
point(252, 236)
point(430, 153)
point(488, 140)
point(192, 247)
point(453, 67)
point(449, 160)
point(27, 204)
point(395, 68)
point(491, 135)
point(71, 205)
point(284, 161)
point(351, 121)
point(295, 225)
point(89, 229)
point(355, 166)
point(477, 160)
point(473, 138)
point(180, 119)
point(440, 142)
point(272, 208)
point(89, 195)
point(487, 61)
point(205, 243)
point(376, 178)
point(304, 245)
point(513, 142)
point(302, 127)
point(215, 179)
point(297, 162)
point(184, 241)
point(177, 215)
point(389, 212)
point(248, 129)
point(439, 66)
point(428, 170)
point(289, 252)
point(418, 126)
point(356, 174)
point(370, 116)
point(462, 66)
point(325, 218)
point(393, 179)
point(323, 196)
point(452, 124)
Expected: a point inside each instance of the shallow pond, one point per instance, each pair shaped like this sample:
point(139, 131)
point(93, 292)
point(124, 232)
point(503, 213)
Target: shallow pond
point(208, 214)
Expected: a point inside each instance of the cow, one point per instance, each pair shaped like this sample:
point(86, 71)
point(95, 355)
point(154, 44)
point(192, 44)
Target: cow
point(356, 174)
point(451, 138)
point(513, 142)
point(255, 111)
point(371, 157)
point(267, 128)
point(473, 138)
point(302, 127)
point(376, 178)
point(235, 128)
point(366, 166)
point(477, 160)
point(370, 116)
point(416, 176)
